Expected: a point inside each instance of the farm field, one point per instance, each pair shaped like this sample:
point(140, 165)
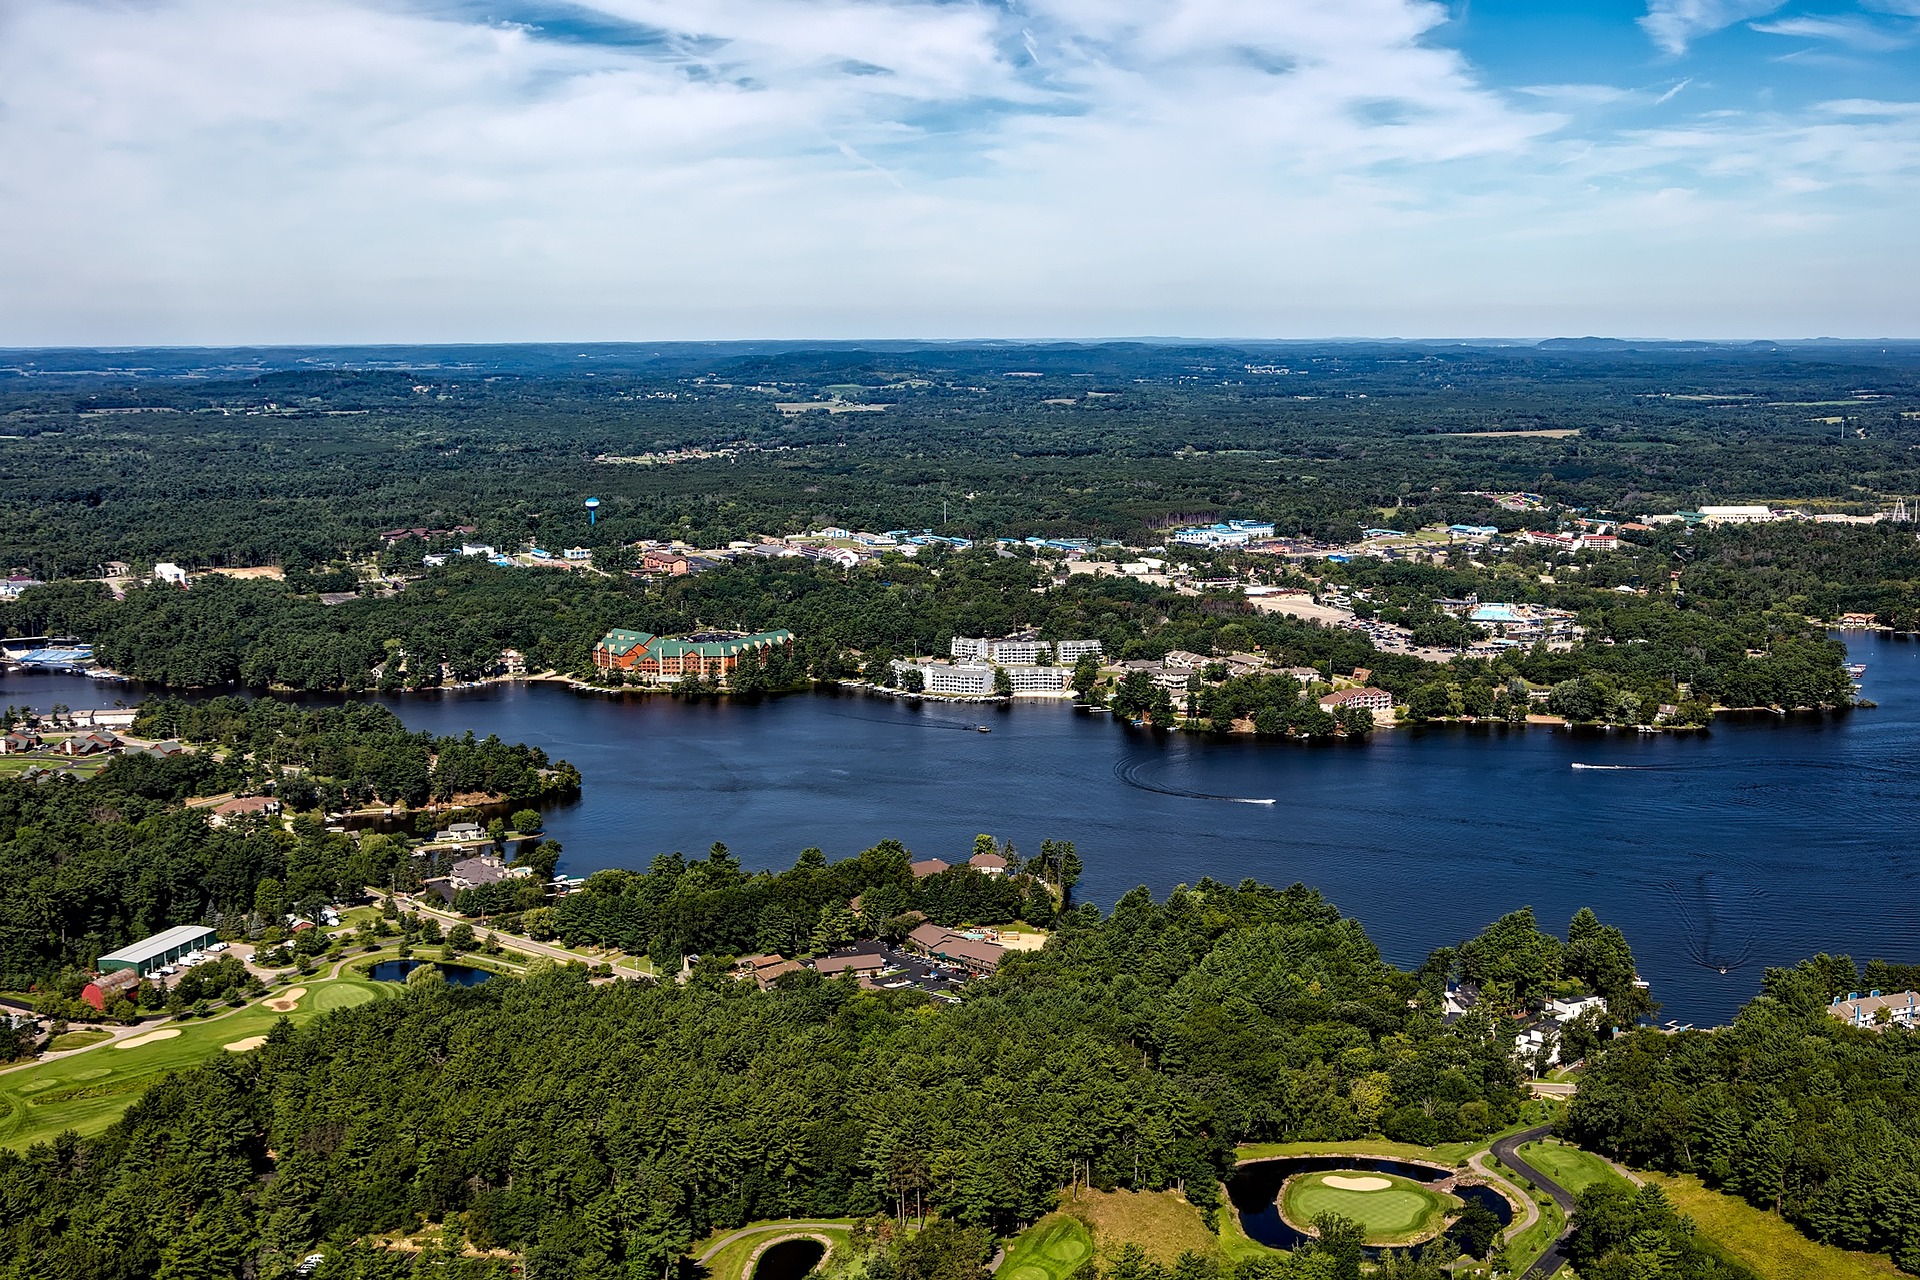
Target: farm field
point(88, 1091)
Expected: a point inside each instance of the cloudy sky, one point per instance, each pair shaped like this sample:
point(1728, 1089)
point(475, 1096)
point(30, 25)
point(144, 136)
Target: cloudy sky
point(222, 171)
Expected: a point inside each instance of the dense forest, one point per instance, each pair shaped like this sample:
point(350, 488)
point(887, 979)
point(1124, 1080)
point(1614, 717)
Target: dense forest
point(1789, 1108)
point(599, 1129)
point(231, 461)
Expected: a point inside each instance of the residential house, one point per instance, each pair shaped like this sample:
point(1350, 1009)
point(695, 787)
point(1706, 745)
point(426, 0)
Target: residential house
point(229, 811)
point(988, 864)
point(169, 572)
point(929, 867)
point(1902, 1008)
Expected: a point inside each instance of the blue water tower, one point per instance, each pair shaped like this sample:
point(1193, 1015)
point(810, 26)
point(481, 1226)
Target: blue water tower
point(593, 510)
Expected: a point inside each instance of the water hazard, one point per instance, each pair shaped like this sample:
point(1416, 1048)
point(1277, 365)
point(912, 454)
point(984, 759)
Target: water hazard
point(789, 1260)
point(459, 975)
point(1757, 843)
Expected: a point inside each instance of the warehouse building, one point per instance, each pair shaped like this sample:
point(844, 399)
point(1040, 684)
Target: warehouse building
point(160, 950)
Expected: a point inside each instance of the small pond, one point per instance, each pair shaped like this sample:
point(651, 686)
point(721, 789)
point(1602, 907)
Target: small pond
point(1255, 1192)
point(460, 975)
point(789, 1260)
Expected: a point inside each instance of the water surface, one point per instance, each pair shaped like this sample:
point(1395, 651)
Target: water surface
point(1756, 843)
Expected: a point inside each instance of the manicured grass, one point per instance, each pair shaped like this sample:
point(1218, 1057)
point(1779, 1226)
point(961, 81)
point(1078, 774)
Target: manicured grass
point(1401, 1212)
point(1453, 1153)
point(89, 1091)
point(76, 1040)
point(1572, 1168)
point(731, 1262)
point(1764, 1241)
point(1051, 1249)
point(1161, 1222)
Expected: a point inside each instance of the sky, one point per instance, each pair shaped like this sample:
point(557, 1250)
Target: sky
point(257, 171)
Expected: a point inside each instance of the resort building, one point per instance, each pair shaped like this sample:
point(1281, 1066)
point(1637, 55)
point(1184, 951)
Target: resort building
point(1864, 1011)
point(975, 679)
point(1738, 515)
point(157, 952)
point(1233, 533)
point(1369, 699)
point(936, 942)
point(1023, 649)
point(663, 659)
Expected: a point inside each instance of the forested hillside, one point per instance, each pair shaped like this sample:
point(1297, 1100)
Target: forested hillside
point(1788, 1108)
point(598, 1129)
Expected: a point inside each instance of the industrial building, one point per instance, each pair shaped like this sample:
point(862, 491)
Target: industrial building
point(160, 950)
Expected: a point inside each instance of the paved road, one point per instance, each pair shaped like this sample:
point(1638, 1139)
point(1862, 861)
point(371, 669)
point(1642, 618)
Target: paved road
point(1507, 1151)
point(625, 967)
point(797, 1227)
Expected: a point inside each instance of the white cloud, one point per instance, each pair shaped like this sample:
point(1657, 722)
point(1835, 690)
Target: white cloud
point(298, 170)
point(1674, 24)
point(1857, 33)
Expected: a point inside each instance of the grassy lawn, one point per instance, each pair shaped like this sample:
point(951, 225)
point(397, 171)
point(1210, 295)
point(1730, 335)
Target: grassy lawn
point(76, 1040)
point(1572, 1168)
point(1236, 1243)
point(1051, 1249)
point(1763, 1241)
point(1533, 1242)
point(1160, 1222)
point(88, 1091)
point(1391, 1209)
point(1452, 1153)
point(731, 1262)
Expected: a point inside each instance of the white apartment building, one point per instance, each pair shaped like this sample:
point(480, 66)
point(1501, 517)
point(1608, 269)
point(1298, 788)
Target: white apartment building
point(1023, 650)
point(975, 679)
point(1738, 515)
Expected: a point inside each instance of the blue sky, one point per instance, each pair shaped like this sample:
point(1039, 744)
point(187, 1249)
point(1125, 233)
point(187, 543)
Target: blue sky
point(211, 171)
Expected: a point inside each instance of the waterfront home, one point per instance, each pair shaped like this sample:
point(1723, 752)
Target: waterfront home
point(229, 811)
point(988, 864)
point(929, 867)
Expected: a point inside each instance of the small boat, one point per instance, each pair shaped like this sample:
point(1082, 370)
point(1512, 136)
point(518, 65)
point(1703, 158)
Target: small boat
point(1857, 669)
point(981, 728)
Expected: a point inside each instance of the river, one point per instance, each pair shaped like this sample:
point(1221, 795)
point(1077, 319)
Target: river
point(1757, 843)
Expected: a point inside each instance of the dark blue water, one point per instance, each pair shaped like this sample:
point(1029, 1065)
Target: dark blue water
point(1757, 843)
point(1255, 1192)
point(458, 975)
point(789, 1260)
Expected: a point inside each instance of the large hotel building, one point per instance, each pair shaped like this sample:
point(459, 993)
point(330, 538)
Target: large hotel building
point(664, 659)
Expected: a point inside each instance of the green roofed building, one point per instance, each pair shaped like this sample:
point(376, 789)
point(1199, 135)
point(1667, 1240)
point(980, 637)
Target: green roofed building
point(656, 659)
point(160, 950)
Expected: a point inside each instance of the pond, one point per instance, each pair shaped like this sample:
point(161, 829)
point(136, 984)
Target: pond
point(789, 1260)
point(1255, 1193)
point(459, 975)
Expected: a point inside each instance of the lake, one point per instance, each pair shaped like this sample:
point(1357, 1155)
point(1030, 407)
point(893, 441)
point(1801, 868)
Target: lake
point(1756, 843)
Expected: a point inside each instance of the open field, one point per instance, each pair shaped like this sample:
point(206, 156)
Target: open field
point(1763, 1241)
point(1051, 1249)
point(1160, 1222)
point(88, 1091)
point(1393, 1210)
point(1556, 433)
point(1572, 1168)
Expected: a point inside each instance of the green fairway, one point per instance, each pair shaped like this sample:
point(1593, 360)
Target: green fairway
point(88, 1091)
point(1051, 1249)
point(1393, 1210)
point(1572, 1168)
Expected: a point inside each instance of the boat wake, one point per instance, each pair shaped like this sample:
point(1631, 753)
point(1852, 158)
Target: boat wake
point(912, 724)
point(1130, 774)
point(1711, 916)
point(1631, 767)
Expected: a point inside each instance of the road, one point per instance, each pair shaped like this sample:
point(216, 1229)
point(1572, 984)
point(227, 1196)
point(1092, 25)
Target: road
point(798, 1228)
point(1507, 1151)
point(625, 967)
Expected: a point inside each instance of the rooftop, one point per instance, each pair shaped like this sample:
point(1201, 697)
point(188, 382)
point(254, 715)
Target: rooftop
point(159, 944)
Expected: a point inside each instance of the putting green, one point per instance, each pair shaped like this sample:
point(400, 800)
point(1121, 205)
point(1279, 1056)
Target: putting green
point(1392, 1209)
point(1052, 1249)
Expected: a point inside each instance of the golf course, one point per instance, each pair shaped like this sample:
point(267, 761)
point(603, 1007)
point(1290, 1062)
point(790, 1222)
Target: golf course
point(1392, 1209)
point(87, 1091)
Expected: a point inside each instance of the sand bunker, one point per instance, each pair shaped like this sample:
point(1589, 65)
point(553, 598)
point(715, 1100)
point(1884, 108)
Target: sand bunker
point(241, 1046)
point(152, 1037)
point(286, 1000)
point(1344, 1182)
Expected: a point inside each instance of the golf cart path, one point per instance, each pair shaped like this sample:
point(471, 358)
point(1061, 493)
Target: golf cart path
point(798, 1228)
